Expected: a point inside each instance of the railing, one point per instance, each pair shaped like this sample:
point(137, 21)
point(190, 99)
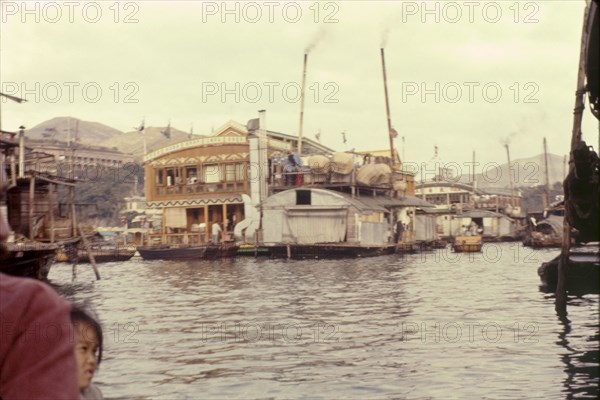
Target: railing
point(284, 179)
point(202, 188)
point(175, 239)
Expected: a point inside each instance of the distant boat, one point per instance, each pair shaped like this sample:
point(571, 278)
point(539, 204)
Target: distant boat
point(547, 233)
point(106, 253)
point(201, 252)
point(546, 230)
point(467, 244)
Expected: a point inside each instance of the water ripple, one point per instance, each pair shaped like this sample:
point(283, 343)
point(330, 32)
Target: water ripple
point(425, 326)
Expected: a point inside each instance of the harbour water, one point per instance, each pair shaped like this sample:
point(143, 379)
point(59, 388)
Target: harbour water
point(436, 325)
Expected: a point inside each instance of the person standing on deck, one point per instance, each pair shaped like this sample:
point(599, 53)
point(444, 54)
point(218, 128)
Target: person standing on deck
point(216, 229)
point(290, 169)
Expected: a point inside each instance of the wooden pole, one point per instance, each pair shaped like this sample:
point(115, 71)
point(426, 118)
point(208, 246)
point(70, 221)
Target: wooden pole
point(510, 177)
point(30, 210)
point(163, 227)
point(21, 153)
point(206, 233)
point(73, 218)
point(86, 244)
point(74, 272)
point(473, 175)
point(13, 170)
point(560, 304)
point(547, 183)
point(51, 207)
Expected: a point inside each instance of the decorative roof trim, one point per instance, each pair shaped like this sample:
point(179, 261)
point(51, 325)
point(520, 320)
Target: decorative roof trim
point(195, 202)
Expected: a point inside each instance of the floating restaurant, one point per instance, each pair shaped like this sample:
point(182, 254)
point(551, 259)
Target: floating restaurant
point(275, 194)
point(210, 179)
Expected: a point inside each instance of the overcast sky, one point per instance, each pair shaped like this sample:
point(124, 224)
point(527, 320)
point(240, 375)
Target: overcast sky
point(463, 75)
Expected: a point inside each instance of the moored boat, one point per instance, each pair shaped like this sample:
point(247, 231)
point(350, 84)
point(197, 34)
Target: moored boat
point(327, 251)
point(583, 271)
point(201, 252)
point(30, 259)
point(467, 244)
point(30, 204)
point(104, 248)
point(105, 253)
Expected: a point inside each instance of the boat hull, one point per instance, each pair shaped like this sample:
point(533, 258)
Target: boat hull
point(105, 255)
point(467, 244)
point(207, 252)
point(31, 261)
point(583, 272)
point(327, 251)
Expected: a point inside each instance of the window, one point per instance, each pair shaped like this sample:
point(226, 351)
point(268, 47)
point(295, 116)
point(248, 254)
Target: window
point(242, 171)
point(303, 198)
point(191, 174)
point(436, 198)
point(160, 177)
point(230, 173)
point(170, 176)
point(455, 198)
point(211, 173)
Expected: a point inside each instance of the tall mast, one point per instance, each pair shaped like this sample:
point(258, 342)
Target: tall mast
point(560, 304)
point(473, 176)
point(510, 177)
point(547, 185)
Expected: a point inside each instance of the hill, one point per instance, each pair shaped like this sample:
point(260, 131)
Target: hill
point(97, 134)
point(133, 141)
point(526, 172)
point(84, 132)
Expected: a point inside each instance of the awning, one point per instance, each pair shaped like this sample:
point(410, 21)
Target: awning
point(412, 201)
point(480, 214)
point(383, 203)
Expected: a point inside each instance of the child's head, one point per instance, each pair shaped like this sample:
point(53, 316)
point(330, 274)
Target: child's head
point(88, 345)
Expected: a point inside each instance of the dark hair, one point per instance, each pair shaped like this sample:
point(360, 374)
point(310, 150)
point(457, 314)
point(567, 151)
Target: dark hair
point(79, 315)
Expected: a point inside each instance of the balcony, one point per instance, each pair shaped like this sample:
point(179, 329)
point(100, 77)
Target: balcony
point(196, 189)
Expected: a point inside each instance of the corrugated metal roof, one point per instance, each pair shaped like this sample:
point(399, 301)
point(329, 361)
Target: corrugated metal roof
point(362, 203)
point(480, 214)
point(382, 203)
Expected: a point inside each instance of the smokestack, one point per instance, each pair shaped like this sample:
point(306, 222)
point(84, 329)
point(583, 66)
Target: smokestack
point(262, 117)
point(387, 109)
point(302, 105)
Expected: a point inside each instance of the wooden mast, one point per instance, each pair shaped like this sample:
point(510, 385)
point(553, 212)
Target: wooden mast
point(547, 183)
point(560, 304)
point(510, 177)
